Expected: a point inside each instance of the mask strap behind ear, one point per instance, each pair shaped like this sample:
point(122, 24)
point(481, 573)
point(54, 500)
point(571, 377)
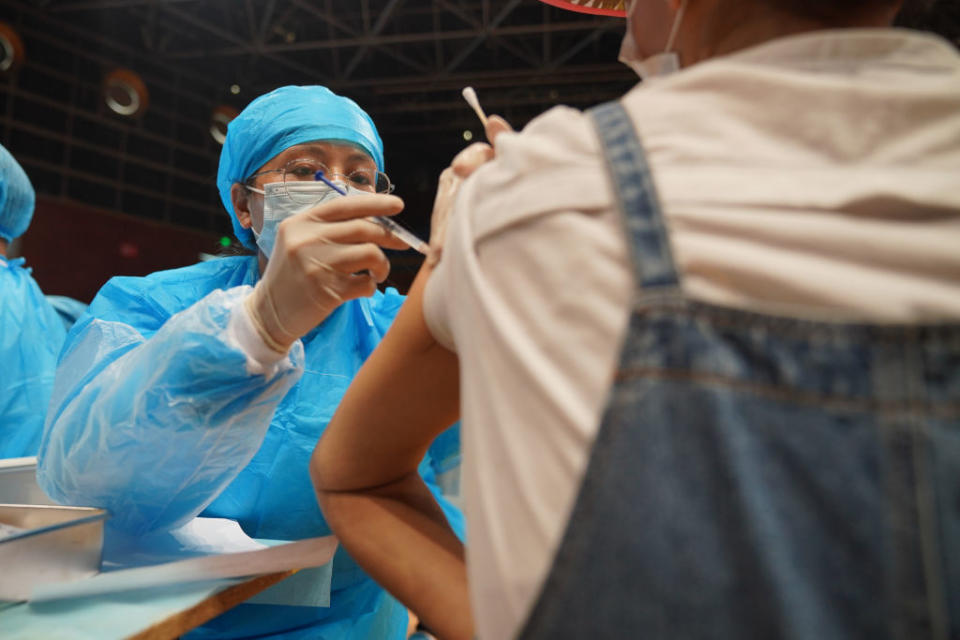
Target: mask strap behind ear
point(676, 25)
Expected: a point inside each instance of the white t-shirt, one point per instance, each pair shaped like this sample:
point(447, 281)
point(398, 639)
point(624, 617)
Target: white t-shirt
point(816, 176)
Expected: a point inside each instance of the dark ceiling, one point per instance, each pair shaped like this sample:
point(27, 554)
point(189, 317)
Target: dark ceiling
point(404, 61)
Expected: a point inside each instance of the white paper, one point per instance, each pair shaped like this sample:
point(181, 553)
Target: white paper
point(214, 535)
point(313, 552)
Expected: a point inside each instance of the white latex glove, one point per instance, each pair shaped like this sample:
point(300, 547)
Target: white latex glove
point(464, 164)
point(322, 257)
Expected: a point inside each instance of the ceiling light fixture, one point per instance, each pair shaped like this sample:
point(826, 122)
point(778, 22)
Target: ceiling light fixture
point(220, 117)
point(12, 53)
point(125, 93)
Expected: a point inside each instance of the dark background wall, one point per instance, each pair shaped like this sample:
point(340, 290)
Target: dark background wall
point(73, 248)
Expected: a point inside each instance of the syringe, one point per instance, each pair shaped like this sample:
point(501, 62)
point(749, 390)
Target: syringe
point(387, 223)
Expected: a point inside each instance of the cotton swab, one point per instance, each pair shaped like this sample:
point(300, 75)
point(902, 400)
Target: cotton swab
point(471, 97)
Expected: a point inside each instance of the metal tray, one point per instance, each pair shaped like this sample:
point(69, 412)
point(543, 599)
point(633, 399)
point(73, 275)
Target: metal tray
point(56, 544)
point(18, 482)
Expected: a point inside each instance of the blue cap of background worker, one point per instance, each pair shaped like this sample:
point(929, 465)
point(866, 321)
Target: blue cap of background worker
point(16, 197)
point(283, 118)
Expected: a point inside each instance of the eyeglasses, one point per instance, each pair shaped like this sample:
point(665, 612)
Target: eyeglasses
point(305, 170)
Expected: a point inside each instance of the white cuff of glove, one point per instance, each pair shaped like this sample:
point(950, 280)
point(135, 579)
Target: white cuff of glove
point(242, 334)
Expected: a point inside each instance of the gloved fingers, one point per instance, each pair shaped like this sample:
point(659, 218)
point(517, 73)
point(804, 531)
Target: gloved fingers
point(471, 158)
point(349, 259)
point(361, 231)
point(357, 285)
point(324, 287)
point(357, 206)
point(331, 295)
point(298, 236)
point(447, 188)
point(495, 126)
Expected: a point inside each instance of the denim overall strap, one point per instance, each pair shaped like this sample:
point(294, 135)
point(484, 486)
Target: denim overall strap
point(653, 266)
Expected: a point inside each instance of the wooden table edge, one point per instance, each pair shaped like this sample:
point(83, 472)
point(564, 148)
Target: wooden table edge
point(179, 623)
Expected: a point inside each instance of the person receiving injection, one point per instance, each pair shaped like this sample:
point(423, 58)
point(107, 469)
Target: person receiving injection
point(704, 340)
point(202, 390)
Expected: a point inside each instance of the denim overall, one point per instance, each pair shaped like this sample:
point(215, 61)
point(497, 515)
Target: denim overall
point(758, 476)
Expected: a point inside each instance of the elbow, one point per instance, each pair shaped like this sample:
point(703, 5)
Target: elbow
point(324, 491)
point(315, 476)
point(331, 469)
point(321, 480)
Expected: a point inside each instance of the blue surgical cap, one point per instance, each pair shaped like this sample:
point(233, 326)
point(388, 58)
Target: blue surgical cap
point(16, 197)
point(283, 118)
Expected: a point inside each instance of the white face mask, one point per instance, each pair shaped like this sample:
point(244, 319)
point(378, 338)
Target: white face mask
point(280, 201)
point(660, 64)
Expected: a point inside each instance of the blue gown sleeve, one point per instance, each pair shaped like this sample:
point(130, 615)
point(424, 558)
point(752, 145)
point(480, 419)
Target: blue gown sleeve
point(151, 417)
point(68, 309)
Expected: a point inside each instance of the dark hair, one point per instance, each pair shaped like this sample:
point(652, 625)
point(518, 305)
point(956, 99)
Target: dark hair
point(235, 249)
point(938, 16)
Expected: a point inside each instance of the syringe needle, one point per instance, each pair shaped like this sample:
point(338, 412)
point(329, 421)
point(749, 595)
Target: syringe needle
point(392, 226)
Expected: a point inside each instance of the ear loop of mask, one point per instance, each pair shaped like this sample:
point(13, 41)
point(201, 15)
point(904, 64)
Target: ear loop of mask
point(256, 234)
point(675, 29)
point(660, 64)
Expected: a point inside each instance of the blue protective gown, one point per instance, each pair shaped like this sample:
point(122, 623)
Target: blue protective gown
point(68, 309)
point(31, 335)
point(155, 417)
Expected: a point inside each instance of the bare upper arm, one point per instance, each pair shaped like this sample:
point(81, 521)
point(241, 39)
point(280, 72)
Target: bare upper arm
point(404, 395)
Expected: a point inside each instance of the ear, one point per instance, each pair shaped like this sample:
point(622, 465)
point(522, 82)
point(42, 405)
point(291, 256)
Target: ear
point(240, 198)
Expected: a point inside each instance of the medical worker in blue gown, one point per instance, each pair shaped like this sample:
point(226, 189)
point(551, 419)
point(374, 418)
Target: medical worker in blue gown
point(203, 390)
point(31, 332)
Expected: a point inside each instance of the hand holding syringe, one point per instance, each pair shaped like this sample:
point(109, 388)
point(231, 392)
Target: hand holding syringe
point(393, 227)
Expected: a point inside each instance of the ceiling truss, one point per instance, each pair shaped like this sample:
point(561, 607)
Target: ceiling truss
point(522, 53)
